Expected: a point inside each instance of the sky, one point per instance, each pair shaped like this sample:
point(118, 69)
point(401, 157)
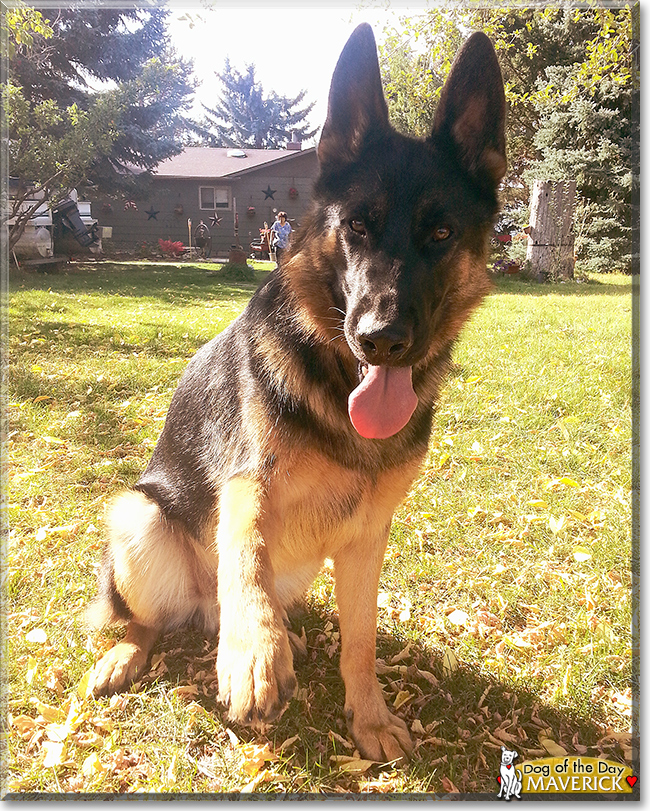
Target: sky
point(293, 47)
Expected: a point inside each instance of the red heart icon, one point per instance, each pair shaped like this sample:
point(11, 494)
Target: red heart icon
point(631, 779)
point(509, 766)
point(499, 779)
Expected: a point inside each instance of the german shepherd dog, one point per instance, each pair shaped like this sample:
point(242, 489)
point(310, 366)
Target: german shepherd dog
point(294, 434)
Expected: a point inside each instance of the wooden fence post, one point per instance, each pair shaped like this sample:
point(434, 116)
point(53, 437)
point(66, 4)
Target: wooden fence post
point(551, 240)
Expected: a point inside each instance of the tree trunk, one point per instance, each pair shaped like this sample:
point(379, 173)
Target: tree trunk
point(550, 235)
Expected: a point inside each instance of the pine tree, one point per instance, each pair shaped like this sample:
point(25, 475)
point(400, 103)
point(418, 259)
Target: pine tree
point(591, 137)
point(92, 93)
point(245, 116)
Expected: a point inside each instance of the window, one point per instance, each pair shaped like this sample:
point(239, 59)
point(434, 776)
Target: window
point(211, 197)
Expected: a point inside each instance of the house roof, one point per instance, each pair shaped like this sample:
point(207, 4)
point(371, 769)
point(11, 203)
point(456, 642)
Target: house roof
point(217, 162)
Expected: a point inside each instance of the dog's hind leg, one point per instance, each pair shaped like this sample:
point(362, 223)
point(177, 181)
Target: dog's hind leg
point(122, 664)
point(156, 576)
point(379, 734)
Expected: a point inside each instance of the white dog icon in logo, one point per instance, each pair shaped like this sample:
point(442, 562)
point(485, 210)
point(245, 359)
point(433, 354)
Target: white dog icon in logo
point(509, 777)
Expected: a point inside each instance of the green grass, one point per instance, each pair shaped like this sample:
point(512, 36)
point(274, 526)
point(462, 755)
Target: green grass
point(506, 587)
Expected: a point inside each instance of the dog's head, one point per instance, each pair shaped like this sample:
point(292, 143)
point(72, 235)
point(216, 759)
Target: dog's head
point(508, 756)
point(402, 224)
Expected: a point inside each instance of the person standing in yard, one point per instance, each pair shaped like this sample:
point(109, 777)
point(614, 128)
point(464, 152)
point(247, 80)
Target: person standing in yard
point(280, 231)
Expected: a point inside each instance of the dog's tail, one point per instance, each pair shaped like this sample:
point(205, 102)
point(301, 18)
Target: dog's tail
point(153, 571)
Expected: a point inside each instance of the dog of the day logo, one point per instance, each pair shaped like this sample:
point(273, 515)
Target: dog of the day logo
point(572, 774)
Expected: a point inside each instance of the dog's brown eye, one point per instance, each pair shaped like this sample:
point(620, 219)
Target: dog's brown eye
point(441, 233)
point(358, 227)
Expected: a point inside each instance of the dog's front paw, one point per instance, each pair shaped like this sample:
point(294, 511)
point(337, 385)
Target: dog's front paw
point(256, 678)
point(380, 735)
point(117, 669)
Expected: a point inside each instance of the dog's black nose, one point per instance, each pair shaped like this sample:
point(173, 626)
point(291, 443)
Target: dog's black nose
point(385, 346)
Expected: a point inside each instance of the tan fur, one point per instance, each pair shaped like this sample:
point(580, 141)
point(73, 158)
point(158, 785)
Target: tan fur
point(307, 274)
point(157, 582)
point(254, 660)
point(124, 662)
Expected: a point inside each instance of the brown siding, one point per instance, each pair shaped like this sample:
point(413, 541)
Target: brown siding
point(132, 228)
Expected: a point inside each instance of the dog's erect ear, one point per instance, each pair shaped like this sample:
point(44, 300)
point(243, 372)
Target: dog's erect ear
point(356, 104)
point(471, 114)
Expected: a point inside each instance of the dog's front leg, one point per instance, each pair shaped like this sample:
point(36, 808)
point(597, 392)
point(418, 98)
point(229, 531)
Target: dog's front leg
point(379, 734)
point(254, 661)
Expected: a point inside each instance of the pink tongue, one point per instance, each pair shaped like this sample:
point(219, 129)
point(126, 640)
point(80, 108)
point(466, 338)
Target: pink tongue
point(383, 402)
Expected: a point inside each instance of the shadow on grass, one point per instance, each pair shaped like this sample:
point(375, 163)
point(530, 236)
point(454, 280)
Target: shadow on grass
point(518, 287)
point(466, 716)
point(168, 283)
point(85, 338)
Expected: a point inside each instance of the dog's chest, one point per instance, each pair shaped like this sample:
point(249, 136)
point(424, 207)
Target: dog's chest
point(314, 507)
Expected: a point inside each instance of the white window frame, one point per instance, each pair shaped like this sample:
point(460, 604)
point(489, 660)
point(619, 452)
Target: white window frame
point(215, 207)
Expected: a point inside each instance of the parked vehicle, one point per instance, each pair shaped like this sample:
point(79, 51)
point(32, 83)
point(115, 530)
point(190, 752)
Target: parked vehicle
point(67, 226)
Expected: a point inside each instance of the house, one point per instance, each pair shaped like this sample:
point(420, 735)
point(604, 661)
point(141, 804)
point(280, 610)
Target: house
point(223, 188)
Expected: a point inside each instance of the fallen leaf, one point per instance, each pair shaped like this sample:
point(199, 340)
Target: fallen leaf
point(37, 636)
point(186, 690)
point(57, 732)
point(85, 740)
point(340, 739)
point(49, 714)
point(105, 724)
point(425, 674)
point(53, 754)
point(92, 766)
point(82, 687)
point(401, 698)
point(249, 788)
point(119, 701)
point(171, 771)
point(32, 667)
point(351, 764)
point(383, 599)
point(449, 662)
point(380, 786)
point(458, 617)
point(289, 742)
point(255, 756)
point(449, 786)
point(417, 728)
point(25, 724)
point(578, 516)
point(554, 749)
point(51, 440)
point(403, 654)
point(504, 736)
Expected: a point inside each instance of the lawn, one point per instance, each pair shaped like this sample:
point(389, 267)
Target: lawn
point(505, 605)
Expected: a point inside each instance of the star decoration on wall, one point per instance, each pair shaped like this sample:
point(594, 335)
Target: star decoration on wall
point(151, 214)
point(269, 192)
point(215, 219)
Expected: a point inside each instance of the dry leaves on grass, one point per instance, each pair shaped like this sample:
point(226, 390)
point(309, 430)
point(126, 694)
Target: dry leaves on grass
point(56, 735)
